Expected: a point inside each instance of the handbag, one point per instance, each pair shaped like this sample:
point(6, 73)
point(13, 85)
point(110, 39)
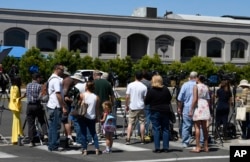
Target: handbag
point(80, 110)
point(241, 112)
point(172, 116)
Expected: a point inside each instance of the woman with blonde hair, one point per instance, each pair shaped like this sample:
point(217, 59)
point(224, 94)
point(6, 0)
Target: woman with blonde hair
point(159, 99)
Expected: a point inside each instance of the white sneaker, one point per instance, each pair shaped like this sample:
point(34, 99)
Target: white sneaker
point(77, 144)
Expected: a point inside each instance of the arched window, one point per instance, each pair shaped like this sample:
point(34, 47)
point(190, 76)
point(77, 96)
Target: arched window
point(47, 41)
point(137, 46)
point(189, 47)
point(214, 48)
point(164, 45)
point(79, 41)
point(108, 44)
point(15, 37)
point(238, 49)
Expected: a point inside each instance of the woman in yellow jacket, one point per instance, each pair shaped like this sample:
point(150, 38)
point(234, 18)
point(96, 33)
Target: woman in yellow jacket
point(15, 106)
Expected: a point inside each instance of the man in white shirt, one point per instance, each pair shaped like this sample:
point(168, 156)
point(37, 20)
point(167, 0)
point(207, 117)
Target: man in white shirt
point(55, 107)
point(135, 94)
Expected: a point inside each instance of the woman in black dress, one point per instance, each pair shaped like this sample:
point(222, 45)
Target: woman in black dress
point(224, 96)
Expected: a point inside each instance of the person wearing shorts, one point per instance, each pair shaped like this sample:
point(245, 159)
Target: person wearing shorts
point(135, 94)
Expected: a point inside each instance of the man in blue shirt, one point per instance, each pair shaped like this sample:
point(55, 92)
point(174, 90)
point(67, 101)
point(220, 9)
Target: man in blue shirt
point(185, 98)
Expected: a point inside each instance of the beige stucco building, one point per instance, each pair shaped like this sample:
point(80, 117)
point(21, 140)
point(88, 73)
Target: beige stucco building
point(172, 36)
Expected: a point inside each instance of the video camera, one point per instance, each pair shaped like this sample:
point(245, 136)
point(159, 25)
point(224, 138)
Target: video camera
point(177, 77)
point(214, 80)
point(74, 93)
point(113, 78)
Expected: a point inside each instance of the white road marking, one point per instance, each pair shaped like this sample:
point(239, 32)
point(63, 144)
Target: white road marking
point(180, 159)
point(116, 145)
point(4, 155)
point(124, 147)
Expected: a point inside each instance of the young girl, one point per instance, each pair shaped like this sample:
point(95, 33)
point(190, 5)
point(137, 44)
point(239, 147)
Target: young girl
point(107, 109)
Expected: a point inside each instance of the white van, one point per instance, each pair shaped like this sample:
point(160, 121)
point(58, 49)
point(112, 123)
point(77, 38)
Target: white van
point(87, 73)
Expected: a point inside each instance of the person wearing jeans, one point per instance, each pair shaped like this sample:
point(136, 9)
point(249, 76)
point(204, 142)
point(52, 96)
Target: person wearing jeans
point(159, 99)
point(90, 118)
point(185, 98)
point(55, 107)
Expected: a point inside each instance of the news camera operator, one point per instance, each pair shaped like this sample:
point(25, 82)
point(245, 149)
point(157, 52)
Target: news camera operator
point(4, 79)
point(35, 109)
point(224, 102)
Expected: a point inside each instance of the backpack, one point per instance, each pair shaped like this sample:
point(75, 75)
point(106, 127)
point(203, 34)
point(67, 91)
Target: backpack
point(110, 123)
point(44, 95)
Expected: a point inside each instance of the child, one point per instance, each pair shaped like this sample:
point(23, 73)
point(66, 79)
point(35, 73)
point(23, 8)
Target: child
point(108, 125)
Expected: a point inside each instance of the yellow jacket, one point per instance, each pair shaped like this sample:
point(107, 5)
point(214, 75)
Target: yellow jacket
point(15, 99)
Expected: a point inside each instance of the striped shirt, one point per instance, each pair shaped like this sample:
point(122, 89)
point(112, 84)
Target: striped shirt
point(33, 90)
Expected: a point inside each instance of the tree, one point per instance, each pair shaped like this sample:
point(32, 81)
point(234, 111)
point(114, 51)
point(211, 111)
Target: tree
point(70, 59)
point(202, 65)
point(150, 64)
point(33, 57)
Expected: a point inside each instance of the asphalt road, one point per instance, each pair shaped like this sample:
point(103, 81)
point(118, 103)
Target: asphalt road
point(121, 153)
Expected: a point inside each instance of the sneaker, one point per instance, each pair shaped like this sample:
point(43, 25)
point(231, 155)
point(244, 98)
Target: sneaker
point(32, 144)
point(157, 151)
point(106, 151)
point(142, 142)
point(127, 141)
point(165, 150)
point(45, 138)
point(59, 149)
point(84, 152)
point(97, 152)
point(70, 141)
point(184, 145)
point(77, 144)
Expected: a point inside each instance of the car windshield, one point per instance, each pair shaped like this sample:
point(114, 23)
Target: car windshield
point(78, 71)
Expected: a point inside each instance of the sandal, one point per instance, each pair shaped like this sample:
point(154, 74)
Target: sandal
point(84, 152)
point(195, 150)
point(206, 150)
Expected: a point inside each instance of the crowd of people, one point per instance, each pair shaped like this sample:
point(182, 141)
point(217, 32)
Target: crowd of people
point(147, 101)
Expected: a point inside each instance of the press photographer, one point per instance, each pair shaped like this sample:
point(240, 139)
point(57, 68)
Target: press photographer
point(174, 76)
point(113, 78)
point(4, 79)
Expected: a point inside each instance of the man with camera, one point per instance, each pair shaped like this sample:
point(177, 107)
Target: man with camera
point(4, 79)
point(35, 109)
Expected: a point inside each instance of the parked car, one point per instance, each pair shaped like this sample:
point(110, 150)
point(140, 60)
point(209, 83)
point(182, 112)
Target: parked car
point(88, 73)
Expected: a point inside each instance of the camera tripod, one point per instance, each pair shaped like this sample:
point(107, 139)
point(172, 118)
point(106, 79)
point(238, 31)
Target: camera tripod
point(3, 96)
point(215, 134)
point(233, 114)
point(2, 108)
point(118, 105)
point(38, 127)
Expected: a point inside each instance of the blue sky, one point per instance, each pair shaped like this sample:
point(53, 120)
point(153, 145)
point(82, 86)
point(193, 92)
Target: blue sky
point(126, 7)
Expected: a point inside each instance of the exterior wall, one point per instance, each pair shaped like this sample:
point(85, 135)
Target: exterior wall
point(95, 25)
